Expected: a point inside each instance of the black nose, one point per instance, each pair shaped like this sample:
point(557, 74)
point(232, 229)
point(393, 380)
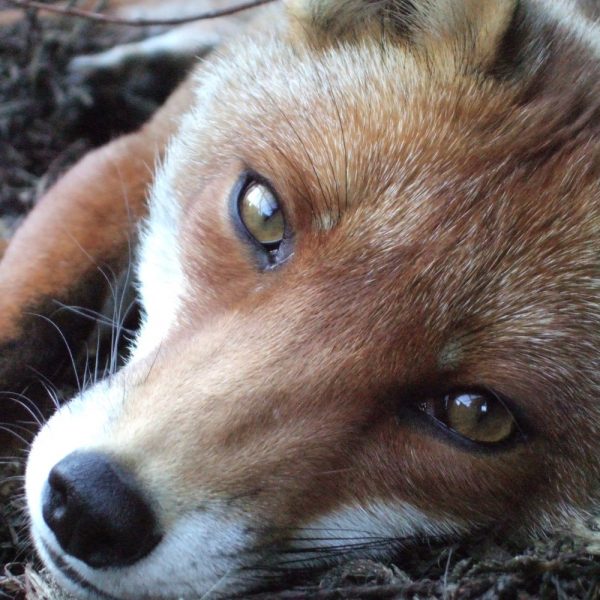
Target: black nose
point(97, 511)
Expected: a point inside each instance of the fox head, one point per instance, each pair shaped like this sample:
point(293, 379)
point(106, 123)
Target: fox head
point(371, 284)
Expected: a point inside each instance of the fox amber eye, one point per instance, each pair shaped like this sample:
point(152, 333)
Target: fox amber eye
point(261, 215)
point(478, 417)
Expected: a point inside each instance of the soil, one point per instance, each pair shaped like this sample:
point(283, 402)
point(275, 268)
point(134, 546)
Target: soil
point(48, 118)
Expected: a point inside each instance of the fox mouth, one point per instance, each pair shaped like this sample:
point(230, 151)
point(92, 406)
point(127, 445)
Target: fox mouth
point(72, 575)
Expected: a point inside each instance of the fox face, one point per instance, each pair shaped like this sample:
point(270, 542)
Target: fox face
point(370, 279)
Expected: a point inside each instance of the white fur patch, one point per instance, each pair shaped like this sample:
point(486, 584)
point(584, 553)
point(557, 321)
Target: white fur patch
point(199, 556)
point(375, 530)
point(160, 273)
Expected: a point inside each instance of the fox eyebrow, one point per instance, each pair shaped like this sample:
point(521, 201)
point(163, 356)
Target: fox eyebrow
point(329, 197)
point(326, 194)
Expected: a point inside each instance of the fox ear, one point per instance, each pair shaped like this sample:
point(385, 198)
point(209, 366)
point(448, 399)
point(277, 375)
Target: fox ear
point(472, 27)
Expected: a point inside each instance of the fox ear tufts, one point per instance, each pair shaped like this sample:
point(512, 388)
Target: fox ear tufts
point(474, 26)
point(338, 15)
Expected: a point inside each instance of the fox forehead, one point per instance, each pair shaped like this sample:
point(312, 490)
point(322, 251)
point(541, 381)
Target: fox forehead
point(380, 123)
point(395, 129)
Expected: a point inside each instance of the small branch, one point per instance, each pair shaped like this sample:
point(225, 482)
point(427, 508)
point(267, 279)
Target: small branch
point(109, 20)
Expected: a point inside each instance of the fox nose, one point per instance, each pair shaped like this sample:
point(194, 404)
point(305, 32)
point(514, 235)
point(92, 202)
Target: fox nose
point(97, 511)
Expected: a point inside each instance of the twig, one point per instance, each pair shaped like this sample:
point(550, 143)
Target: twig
point(107, 19)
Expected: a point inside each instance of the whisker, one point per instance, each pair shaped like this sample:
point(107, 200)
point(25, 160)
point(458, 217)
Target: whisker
point(11, 478)
point(218, 584)
point(96, 359)
point(19, 402)
point(8, 429)
point(53, 392)
point(10, 460)
point(85, 312)
point(27, 403)
point(66, 343)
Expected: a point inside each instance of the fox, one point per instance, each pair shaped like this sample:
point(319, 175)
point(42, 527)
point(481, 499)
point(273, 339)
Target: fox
point(368, 258)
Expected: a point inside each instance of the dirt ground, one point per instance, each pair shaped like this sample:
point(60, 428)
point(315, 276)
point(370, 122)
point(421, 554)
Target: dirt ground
point(48, 118)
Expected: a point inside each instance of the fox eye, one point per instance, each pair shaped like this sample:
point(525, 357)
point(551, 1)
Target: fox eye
point(476, 416)
point(261, 215)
